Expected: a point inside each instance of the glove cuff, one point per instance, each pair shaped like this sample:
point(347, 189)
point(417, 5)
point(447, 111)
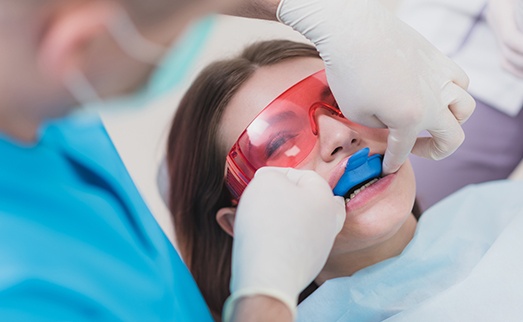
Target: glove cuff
point(231, 301)
point(304, 16)
point(318, 20)
point(278, 12)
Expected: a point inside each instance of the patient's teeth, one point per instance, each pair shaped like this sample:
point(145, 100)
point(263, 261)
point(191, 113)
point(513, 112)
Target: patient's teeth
point(352, 195)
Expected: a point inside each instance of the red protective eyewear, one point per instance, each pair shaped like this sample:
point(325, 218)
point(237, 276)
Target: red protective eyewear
point(283, 134)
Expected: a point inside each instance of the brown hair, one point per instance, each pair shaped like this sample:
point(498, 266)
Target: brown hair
point(196, 164)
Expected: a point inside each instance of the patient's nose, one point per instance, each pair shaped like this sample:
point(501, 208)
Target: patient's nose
point(336, 137)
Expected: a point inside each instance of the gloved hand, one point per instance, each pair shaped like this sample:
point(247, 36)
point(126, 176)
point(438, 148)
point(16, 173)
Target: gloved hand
point(506, 20)
point(384, 73)
point(285, 226)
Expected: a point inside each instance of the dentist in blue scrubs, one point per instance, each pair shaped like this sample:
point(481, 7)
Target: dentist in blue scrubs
point(77, 242)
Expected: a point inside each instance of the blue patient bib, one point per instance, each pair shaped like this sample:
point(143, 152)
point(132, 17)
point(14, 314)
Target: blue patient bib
point(77, 242)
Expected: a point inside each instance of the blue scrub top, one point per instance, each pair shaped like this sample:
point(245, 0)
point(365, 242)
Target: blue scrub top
point(77, 242)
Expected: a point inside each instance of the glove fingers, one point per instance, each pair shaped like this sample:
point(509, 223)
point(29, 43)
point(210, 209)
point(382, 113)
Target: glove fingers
point(460, 103)
point(399, 145)
point(447, 136)
point(510, 35)
point(518, 72)
point(306, 178)
point(515, 43)
point(277, 171)
point(340, 214)
point(294, 176)
point(512, 56)
point(363, 118)
point(502, 19)
point(458, 75)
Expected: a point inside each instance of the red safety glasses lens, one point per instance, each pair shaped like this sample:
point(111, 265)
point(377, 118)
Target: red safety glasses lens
point(283, 134)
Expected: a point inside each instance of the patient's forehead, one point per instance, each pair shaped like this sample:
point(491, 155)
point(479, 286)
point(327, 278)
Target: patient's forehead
point(263, 87)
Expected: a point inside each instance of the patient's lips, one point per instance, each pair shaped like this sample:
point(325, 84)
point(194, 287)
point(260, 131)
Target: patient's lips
point(367, 196)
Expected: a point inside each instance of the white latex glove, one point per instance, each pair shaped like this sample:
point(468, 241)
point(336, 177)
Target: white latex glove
point(285, 226)
point(384, 73)
point(506, 20)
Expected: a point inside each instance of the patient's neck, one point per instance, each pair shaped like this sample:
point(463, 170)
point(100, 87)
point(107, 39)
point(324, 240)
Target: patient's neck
point(346, 264)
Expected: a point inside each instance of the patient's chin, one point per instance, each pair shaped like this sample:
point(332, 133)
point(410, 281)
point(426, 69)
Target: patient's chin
point(369, 229)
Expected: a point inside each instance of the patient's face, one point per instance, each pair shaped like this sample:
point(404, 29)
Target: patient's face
point(374, 214)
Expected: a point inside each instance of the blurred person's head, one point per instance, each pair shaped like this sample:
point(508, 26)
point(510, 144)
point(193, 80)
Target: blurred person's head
point(48, 45)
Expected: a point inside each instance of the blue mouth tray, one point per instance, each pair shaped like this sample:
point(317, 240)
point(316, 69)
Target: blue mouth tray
point(360, 168)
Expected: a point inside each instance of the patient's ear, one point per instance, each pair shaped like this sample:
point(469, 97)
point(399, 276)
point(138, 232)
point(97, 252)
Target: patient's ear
point(225, 218)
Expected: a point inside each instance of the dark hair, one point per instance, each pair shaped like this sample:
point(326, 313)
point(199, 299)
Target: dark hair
point(196, 163)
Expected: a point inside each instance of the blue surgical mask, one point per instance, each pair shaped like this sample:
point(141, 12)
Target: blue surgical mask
point(170, 70)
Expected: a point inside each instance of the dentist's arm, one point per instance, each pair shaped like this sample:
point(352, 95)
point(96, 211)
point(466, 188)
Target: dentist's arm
point(285, 226)
point(382, 72)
